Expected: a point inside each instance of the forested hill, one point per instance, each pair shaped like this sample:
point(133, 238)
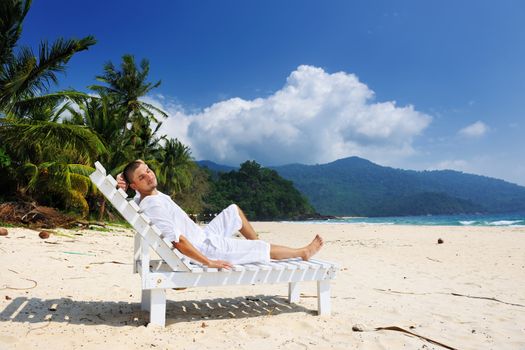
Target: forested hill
point(214, 167)
point(259, 191)
point(356, 186)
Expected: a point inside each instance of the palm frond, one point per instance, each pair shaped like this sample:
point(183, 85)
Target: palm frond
point(12, 14)
point(27, 108)
point(27, 77)
point(80, 169)
point(52, 136)
point(151, 107)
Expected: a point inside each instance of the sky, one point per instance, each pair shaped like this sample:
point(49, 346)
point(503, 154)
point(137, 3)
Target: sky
point(416, 84)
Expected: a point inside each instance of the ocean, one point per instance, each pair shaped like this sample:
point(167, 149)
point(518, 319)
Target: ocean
point(513, 220)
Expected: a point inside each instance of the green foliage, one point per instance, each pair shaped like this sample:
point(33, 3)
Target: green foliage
point(174, 167)
point(5, 160)
point(125, 125)
point(24, 75)
point(40, 152)
point(260, 192)
point(41, 141)
point(47, 159)
point(192, 198)
point(58, 184)
point(126, 85)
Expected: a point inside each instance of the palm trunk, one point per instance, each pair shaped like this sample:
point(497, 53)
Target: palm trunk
point(102, 209)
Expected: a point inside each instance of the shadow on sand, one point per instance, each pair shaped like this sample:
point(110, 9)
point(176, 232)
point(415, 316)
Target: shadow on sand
point(35, 310)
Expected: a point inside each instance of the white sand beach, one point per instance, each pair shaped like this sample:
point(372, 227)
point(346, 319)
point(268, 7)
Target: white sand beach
point(77, 291)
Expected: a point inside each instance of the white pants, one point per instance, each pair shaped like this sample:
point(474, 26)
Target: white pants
point(222, 246)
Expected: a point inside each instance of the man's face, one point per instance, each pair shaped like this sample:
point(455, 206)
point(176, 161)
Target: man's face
point(144, 180)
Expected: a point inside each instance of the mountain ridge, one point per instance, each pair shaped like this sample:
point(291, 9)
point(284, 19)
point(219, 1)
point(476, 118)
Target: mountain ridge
point(357, 186)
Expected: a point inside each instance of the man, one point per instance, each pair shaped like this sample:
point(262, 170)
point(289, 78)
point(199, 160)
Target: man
point(214, 245)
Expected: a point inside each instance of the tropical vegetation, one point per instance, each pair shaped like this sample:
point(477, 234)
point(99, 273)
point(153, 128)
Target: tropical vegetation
point(261, 192)
point(50, 138)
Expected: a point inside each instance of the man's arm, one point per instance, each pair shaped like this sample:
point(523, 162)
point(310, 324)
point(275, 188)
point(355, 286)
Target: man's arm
point(185, 247)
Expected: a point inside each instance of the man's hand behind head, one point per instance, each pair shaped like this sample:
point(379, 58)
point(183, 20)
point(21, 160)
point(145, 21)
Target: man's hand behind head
point(121, 183)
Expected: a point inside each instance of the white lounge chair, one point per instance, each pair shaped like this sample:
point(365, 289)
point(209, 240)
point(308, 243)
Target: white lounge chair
point(174, 270)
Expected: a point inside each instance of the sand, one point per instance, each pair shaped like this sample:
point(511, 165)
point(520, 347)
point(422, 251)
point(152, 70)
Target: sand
point(76, 290)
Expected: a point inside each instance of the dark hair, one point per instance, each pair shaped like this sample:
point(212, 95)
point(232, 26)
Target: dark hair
point(128, 171)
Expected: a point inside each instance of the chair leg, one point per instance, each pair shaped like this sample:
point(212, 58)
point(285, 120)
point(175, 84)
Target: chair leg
point(137, 248)
point(145, 300)
point(323, 297)
point(157, 312)
point(293, 292)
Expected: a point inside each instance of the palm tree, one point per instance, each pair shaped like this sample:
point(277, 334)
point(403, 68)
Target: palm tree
point(127, 85)
point(107, 120)
point(12, 14)
point(42, 153)
point(174, 168)
point(58, 180)
point(25, 78)
point(49, 160)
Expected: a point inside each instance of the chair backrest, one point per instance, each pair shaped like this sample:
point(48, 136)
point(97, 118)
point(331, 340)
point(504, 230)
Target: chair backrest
point(140, 222)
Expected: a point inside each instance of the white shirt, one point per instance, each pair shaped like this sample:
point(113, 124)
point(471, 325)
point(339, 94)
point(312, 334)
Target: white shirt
point(171, 220)
point(215, 241)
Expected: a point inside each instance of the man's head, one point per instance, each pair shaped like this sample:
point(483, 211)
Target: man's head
point(140, 177)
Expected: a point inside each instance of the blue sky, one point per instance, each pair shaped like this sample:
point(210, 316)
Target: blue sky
point(409, 84)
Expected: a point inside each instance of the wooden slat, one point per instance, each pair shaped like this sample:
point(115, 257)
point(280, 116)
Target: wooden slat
point(276, 266)
point(140, 224)
point(326, 264)
point(100, 168)
point(263, 266)
point(97, 177)
point(112, 181)
point(287, 265)
point(210, 269)
point(299, 265)
point(107, 188)
point(311, 265)
point(122, 193)
point(145, 218)
point(238, 268)
point(319, 263)
point(251, 267)
point(134, 206)
point(164, 251)
point(118, 201)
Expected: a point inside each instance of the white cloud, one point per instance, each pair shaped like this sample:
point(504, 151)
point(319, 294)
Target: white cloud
point(452, 164)
point(316, 117)
point(476, 129)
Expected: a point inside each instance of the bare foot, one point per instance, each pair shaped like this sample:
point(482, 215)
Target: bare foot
point(312, 248)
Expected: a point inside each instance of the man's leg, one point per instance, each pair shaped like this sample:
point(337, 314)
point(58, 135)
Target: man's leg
point(281, 252)
point(247, 230)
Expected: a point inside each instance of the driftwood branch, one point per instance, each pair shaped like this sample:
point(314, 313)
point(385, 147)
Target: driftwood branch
point(454, 294)
point(436, 260)
point(398, 292)
point(109, 262)
point(90, 223)
point(486, 298)
point(399, 329)
point(15, 288)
